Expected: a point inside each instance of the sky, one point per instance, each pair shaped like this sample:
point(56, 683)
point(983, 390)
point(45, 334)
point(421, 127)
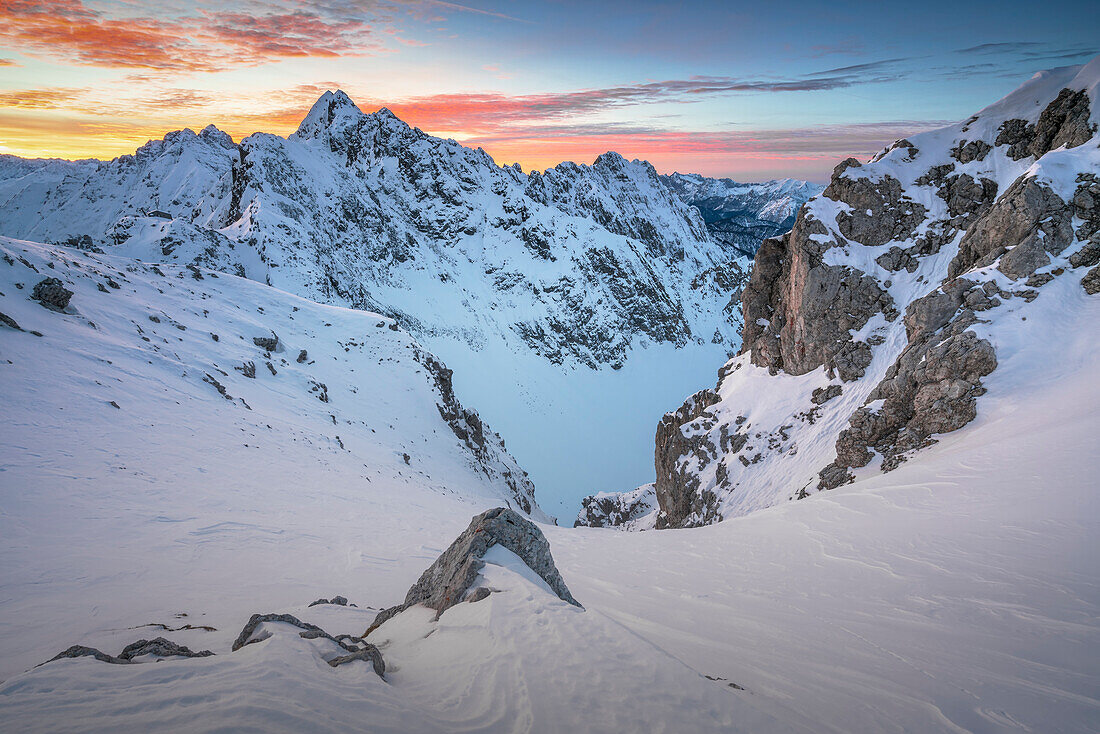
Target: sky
point(751, 91)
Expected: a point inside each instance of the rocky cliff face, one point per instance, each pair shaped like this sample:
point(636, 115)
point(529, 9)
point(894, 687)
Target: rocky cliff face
point(870, 326)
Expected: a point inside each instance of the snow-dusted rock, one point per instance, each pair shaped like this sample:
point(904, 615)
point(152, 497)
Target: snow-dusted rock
point(447, 581)
point(960, 230)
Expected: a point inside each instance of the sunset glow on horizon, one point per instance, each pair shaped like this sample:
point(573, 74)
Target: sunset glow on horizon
point(724, 89)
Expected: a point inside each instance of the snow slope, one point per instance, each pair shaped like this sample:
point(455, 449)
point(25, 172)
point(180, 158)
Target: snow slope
point(123, 515)
point(530, 285)
point(955, 594)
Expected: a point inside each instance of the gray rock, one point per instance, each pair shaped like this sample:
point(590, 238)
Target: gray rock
point(52, 294)
point(1025, 258)
point(357, 647)
point(880, 210)
point(478, 594)
point(851, 360)
point(80, 651)
point(1065, 121)
point(9, 322)
point(677, 486)
point(161, 648)
point(1026, 208)
point(266, 343)
point(931, 388)
point(608, 510)
point(824, 394)
point(1091, 281)
point(974, 150)
point(798, 311)
point(302, 356)
point(370, 654)
point(446, 582)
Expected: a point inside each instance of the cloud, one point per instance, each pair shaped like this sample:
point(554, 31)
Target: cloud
point(995, 48)
point(49, 98)
point(854, 69)
point(210, 41)
point(8, 62)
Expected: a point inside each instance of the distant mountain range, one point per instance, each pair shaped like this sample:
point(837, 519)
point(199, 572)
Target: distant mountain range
point(742, 215)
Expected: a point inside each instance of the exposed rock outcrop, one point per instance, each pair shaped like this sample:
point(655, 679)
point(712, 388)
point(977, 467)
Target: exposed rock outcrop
point(1026, 209)
point(1065, 121)
point(447, 581)
point(357, 647)
point(617, 509)
point(52, 294)
point(946, 226)
point(799, 312)
point(677, 486)
point(158, 647)
point(931, 388)
point(467, 426)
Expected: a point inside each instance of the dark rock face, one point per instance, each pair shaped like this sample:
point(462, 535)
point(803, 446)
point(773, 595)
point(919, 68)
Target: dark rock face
point(1065, 121)
point(608, 510)
point(52, 294)
point(161, 648)
point(9, 322)
point(825, 394)
point(447, 581)
point(266, 343)
point(1027, 208)
point(468, 427)
point(677, 487)
point(931, 388)
point(339, 601)
point(973, 150)
point(799, 311)
point(881, 211)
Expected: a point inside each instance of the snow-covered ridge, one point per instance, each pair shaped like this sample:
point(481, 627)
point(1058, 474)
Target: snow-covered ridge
point(870, 326)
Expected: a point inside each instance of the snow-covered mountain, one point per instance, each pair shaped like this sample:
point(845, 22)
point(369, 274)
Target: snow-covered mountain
point(742, 215)
point(183, 449)
point(519, 281)
point(898, 299)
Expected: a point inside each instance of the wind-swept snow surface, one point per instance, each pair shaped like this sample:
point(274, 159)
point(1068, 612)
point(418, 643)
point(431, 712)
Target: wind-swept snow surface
point(957, 593)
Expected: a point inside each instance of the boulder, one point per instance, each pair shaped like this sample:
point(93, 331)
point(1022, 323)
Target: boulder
point(52, 294)
point(266, 343)
point(447, 581)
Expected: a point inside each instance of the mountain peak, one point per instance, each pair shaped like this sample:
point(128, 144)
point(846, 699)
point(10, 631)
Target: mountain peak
point(331, 109)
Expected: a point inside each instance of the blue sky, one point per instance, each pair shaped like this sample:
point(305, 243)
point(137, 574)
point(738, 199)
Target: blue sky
point(744, 90)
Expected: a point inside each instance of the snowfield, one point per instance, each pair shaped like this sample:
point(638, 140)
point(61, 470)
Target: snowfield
point(957, 593)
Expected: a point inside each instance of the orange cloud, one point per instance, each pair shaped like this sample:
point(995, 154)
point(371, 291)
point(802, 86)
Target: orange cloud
point(56, 97)
point(70, 31)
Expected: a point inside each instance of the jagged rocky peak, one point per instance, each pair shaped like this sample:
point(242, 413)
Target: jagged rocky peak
point(869, 327)
point(331, 110)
